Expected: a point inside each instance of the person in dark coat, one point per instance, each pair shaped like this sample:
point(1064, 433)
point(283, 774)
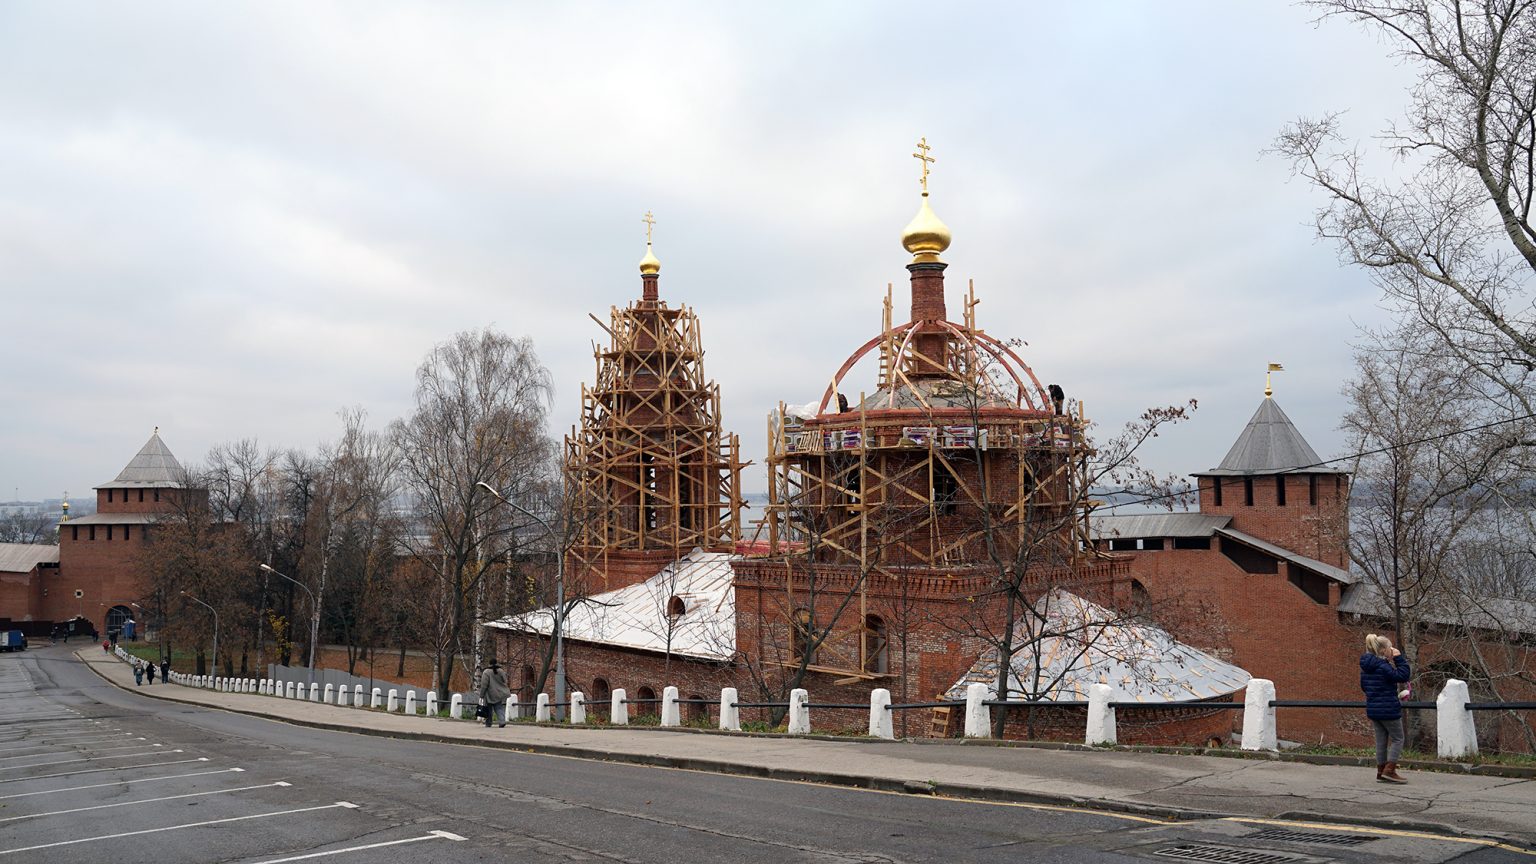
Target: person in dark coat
point(138, 672)
point(165, 671)
point(149, 672)
point(493, 693)
point(1383, 669)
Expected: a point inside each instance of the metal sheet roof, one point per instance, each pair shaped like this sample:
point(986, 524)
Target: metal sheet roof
point(636, 616)
point(153, 467)
point(1337, 574)
point(1270, 444)
point(22, 557)
point(1139, 662)
point(1157, 525)
point(1459, 609)
point(114, 519)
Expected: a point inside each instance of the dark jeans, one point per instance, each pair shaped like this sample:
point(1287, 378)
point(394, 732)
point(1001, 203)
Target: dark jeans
point(498, 713)
point(1389, 740)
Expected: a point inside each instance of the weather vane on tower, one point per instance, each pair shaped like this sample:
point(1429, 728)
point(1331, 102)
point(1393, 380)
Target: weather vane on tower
point(922, 154)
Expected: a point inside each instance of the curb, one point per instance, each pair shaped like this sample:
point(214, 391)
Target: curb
point(959, 791)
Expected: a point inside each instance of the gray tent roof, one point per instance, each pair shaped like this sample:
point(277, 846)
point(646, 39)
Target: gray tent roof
point(1270, 444)
point(153, 468)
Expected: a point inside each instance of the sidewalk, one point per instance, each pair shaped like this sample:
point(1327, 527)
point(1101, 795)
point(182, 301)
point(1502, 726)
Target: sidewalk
point(1158, 785)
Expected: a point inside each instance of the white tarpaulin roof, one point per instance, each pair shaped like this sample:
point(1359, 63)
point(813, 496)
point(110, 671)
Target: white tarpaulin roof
point(636, 616)
point(1079, 644)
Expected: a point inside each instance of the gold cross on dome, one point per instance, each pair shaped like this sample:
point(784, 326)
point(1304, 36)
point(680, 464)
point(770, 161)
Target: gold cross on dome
point(650, 221)
point(922, 154)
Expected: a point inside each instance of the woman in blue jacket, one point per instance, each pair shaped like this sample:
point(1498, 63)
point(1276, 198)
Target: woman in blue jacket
point(1382, 670)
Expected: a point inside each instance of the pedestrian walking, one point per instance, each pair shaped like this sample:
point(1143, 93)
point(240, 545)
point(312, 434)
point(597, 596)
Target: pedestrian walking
point(1382, 669)
point(493, 694)
point(165, 670)
point(138, 672)
point(149, 672)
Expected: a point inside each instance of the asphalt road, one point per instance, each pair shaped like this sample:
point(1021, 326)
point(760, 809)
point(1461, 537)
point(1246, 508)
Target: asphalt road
point(90, 772)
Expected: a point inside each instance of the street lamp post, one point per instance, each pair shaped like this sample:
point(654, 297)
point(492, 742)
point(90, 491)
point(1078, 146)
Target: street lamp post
point(314, 618)
point(559, 595)
point(215, 629)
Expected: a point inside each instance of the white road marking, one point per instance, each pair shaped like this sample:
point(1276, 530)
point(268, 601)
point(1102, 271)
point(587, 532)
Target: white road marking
point(344, 804)
point(147, 801)
point(69, 742)
point(121, 783)
point(99, 770)
point(434, 835)
point(74, 736)
point(102, 750)
point(86, 759)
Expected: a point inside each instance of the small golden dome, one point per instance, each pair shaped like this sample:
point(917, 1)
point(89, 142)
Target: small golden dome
point(650, 264)
point(926, 235)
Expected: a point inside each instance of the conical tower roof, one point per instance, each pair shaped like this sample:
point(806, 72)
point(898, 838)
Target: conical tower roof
point(153, 468)
point(1270, 444)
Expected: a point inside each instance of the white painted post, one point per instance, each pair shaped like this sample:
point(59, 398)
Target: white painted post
point(730, 715)
point(880, 725)
point(410, 702)
point(799, 715)
point(378, 698)
point(541, 713)
point(1259, 731)
point(978, 717)
point(314, 692)
point(670, 716)
point(456, 707)
point(1455, 734)
point(289, 690)
point(329, 691)
point(431, 703)
point(357, 696)
point(578, 707)
point(618, 710)
point(1101, 717)
point(394, 701)
point(341, 696)
point(512, 709)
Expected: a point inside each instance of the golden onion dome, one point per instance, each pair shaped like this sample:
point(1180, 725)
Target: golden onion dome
point(926, 235)
point(650, 264)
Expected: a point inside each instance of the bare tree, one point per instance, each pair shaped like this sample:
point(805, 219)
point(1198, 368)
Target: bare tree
point(28, 526)
point(481, 403)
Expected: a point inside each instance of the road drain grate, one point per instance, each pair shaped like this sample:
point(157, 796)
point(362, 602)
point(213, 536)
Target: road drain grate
point(1225, 855)
point(1289, 836)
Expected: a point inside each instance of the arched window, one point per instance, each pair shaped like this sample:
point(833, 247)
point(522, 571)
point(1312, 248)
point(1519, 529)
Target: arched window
point(801, 637)
point(695, 713)
point(117, 616)
point(676, 607)
point(1140, 599)
point(601, 692)
point(877, 645)
point(646, 707)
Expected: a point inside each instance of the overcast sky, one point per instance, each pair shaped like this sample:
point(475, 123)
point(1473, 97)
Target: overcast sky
point(231, 220)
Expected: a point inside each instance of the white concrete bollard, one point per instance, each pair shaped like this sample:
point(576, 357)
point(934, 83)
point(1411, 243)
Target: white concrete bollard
point(1259, 731)
point(456, 707)
point(880, 723)
point(730, 715)
point(1101, 717)
point(578, 707)
point(799, 715)
point(289, 690)
point(378, 699)
point(618, 709)
point(978, 716)
point(670, 715)
point(431, 703)
point(394, 701)
point(329, 690)
point(357, 696)
point(410, 702)
point(1455, 734)
point(512, 708)
point(314, 692)
point(341, 695)
point(541, 713)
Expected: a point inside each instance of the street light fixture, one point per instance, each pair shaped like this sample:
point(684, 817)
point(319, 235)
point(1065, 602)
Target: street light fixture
point(314, 618)
point(215, 629)
point(559, 595)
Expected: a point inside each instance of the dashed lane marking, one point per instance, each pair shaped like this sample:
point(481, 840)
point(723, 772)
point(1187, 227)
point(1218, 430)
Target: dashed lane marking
point(121, 783)
point(99, 770)
point(146, 801)
point(342, 804)
point(431, 835)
